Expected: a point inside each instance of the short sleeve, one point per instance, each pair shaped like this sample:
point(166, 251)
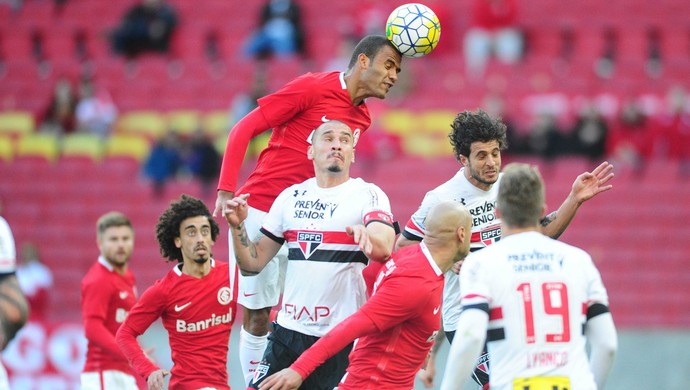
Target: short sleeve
point(596, 292)
point(288, 101)
point(273, 223)
point(474, 281)
point(377, 200)
point(416, 224)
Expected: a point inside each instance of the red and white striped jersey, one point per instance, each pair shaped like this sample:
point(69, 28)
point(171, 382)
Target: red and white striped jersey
point(324, 282)
point(486, 229)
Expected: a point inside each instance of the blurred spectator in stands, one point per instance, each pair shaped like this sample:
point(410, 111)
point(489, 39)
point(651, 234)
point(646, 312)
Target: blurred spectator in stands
point(629, 141)
point(35, 280)
point(96, 111)
point(653, 65)
point(494, 105)
point(163, 162)
point(589, 134)
point(545, 138)
point(146, 27)
point(203, 161)
point(673, 138)
point(245, 101)
point(342, 58)
point(493, 31)
point(59, 116)
point(280, 31)
point(604, 65)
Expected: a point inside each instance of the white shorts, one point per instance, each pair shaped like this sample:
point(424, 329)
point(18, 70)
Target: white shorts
point(264, 289)
point(108, 380)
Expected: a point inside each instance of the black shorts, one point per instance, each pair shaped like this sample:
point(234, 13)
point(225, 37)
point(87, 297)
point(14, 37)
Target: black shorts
point(285, 346)
point(481, 371)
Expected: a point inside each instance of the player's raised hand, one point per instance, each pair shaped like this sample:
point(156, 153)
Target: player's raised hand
point(222, 197)
point(361, 237)
point(286, 379)
point(589, 184)
point(235, 210)
point(156, 379)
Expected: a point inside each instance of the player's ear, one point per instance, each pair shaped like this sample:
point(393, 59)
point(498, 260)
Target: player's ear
point(310, 152)
point(178, 242)
point(460, 232)
point(363, 60)
point(464, 161)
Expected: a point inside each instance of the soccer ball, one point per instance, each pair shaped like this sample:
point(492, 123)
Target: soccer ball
point(413, 29)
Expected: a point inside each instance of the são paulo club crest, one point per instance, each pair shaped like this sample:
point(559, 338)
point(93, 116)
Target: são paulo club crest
point(490, 234)
point(308, 242)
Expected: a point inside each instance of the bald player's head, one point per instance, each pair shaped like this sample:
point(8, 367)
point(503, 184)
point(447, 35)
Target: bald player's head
point(449, 224)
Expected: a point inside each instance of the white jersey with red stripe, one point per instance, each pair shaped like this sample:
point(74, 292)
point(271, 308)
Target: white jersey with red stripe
point(486, 229)
point(537, 291)
point(324, 282)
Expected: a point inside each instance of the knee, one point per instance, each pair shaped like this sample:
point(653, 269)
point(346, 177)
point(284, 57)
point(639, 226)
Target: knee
point(256, 322)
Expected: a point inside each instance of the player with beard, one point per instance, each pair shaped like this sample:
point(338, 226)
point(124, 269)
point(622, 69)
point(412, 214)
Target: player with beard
point(477, 141)
point(536, 301)
point(107, 295)
point(194, 300)
point(333, 225)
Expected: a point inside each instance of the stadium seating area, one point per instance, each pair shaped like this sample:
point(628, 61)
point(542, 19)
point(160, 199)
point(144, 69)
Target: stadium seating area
point(54, 189)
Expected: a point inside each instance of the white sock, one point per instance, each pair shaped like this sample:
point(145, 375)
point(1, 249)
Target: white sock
point(251, 351)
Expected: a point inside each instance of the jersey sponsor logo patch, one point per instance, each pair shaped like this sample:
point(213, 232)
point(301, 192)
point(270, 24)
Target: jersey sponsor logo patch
point(224, 295)
point(182, 307)
point(309, 242)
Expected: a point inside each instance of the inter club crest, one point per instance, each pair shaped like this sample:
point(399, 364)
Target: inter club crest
point(309, 242)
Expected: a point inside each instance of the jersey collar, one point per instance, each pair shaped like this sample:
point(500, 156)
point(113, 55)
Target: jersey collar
point(342, 80)
point(178, 267)
point(432, 263)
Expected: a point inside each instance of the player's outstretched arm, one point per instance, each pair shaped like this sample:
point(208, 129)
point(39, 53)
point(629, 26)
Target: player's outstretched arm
point(240, 135)
point(585, 187)
point(375, 240)
point(353, 327)
point(252, 256)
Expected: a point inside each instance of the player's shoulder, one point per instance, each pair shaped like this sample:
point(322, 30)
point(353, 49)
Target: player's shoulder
point(316, 79)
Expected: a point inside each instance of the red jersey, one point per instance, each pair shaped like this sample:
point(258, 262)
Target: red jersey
point(401, 319)
point(198, 315)
point(293, 112)
point(106, 298)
